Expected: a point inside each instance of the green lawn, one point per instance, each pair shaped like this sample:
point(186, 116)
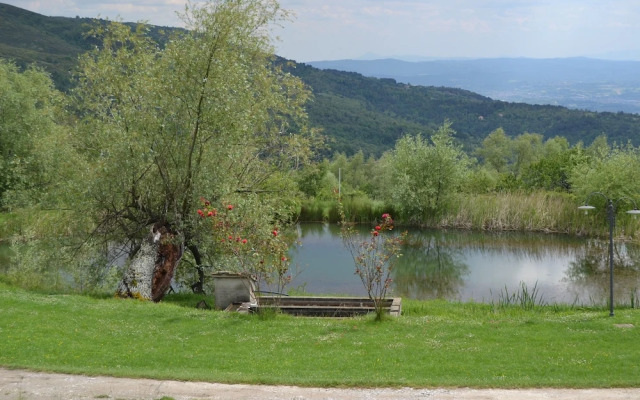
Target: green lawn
point(434, 344)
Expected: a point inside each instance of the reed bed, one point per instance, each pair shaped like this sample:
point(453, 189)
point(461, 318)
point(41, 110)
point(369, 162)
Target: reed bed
point(359, 209)
point(534, 212)
point(549, 212)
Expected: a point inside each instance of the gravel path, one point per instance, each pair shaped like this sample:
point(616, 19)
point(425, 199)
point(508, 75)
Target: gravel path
point(27, 385)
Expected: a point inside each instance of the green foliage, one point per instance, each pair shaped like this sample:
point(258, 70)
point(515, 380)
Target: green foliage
point(612, 171)
point(358, 209)
point(423, 176)
point(311, 180)
point(510, 156)
point(495, 150)
point(31, 139)
point(251, 240)
point(375, 257)
point(205, 115)
point(551, 172)
point(481, 180)
point(527, 149)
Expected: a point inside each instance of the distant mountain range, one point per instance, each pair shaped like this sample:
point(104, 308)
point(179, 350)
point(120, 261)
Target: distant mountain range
point(578, 83)
point(358, 112)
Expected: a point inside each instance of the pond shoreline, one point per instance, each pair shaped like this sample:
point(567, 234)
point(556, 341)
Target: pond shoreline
point(468, 265)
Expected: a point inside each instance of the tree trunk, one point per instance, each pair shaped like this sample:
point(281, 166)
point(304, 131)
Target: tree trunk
point(197, 287)
point(151, 269)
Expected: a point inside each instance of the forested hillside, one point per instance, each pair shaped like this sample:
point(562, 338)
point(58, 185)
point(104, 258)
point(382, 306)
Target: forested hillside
point(389, 108)
point(355, 112)
point(574, 82)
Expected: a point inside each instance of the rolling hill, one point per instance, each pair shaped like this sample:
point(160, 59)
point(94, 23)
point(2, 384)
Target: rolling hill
point(355, 112)
point(578, 83)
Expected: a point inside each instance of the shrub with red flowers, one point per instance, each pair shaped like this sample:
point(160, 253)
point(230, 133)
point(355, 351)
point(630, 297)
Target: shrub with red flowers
point(374, 256)
point(248, 241)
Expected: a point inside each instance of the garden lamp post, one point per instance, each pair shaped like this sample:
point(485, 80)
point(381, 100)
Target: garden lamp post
point(612, 206)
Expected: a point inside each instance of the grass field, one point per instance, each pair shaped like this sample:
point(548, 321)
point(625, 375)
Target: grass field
point(434, 343)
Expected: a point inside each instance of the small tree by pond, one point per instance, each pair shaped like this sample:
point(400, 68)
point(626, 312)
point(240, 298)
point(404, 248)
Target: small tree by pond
point(374, 256)
point(250, 242)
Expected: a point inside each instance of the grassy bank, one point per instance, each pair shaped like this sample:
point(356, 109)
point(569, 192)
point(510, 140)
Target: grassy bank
point(432, 344)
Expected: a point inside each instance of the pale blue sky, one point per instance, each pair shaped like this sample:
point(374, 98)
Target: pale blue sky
point(336, 29)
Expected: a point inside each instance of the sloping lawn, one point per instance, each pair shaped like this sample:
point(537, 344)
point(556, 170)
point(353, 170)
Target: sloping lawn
point(433, 344)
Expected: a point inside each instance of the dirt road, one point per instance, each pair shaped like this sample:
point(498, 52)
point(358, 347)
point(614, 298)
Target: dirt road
point(27, 385)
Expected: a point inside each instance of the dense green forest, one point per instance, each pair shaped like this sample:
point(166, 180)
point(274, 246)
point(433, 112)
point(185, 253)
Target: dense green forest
point(355, 112)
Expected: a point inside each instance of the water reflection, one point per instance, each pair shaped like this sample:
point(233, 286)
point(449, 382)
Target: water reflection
point(588, 275)
point(478, 266)
point(430, 269)
point(461, 265)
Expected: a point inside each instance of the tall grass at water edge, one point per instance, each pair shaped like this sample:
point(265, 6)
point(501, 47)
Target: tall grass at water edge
point(549, 212)
point(533, 212)
point(526, 298)
point(359, 209)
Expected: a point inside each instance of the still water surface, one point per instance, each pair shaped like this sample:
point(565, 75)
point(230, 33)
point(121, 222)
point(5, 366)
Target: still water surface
point(478, 266)
point(465, 266)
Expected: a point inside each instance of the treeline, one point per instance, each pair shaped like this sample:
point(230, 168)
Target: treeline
point(520, 183)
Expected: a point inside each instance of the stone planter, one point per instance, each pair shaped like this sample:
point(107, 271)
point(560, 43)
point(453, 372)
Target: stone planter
point(231, 287)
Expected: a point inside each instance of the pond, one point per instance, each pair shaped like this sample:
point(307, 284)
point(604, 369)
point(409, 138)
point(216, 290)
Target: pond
point(469, 266)
point(476, 266)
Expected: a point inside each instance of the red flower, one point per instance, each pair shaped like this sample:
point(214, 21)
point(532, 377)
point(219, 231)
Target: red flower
point(284, 258)
point(378, 227)
point(275, 233)
point(210, 213)
point(244, 241)
point(230, 207)
point(201, 213)
point(375, 233)
point(385, 216)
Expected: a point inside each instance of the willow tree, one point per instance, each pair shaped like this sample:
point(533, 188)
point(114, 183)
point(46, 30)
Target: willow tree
point(30, 120)
point(206, 114)
point(423, 175)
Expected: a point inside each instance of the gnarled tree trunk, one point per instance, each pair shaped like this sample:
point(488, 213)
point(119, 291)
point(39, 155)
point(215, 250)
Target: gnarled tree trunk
point(151, 269)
